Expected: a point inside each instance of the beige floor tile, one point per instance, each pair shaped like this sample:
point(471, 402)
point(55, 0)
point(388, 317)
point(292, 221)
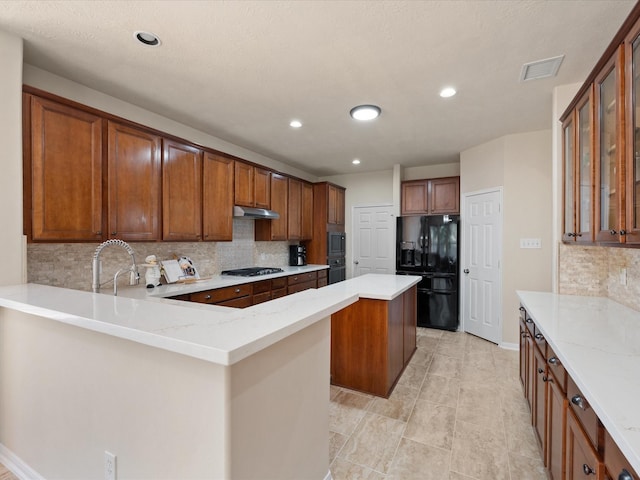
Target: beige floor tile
point(459, 476)
point(422, 356)
point(482, 360)
point(440, 390)
point(414, 460)
point(478, 376)
point(479, 452)
point(343, 470)
point(413, 375)
point(479, 405)
point(346, 410)
point(336, 442)
point(429, 332)
point(374, 442)
point(450, 350)
point(427, 342)
point(525, 468)
point(445, 366)
point(431, 424)
point(398, 405)
point(333, 391)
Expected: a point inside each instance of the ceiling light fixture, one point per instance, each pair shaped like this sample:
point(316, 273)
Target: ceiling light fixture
point(365, 112)
point(147, 38)
point(295, 123)
point(447, 92)
point(355, 161)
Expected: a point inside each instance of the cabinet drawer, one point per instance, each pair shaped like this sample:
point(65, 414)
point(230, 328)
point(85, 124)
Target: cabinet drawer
point(277, 283)
point(528, 322)
point(261, 297)
point(298, 287)
point(322, 274)
point(582, 460)
point(261, 286)
point(615, 462)
point(322, 282)
point(583, 411)
point(540, 341)
point(557, 369)
point(222, 294)
point(280, 292)
point(301, 278)
point(241, 302)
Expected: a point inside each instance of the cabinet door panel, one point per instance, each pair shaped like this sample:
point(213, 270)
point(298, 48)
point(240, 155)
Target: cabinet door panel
point(332, 210)
point(410, 322)
point(217, 198)
point(415, 198)
point(134, 183)
point(445, 196)
point(181, 192)
point(557, 419)
point(307, 211)
point(262, 188)
point(582, 461)
point(294, 220)
point(539, 407)
point(584, 177)
point(568, 154)
point(244, 184)
point(66, 173)
point(632, 170)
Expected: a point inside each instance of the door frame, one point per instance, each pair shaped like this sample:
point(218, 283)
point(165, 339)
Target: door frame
point(351, 251)
point(463, 248)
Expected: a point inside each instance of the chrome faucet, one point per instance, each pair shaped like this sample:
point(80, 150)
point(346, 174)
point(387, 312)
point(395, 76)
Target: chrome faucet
point(134, 277)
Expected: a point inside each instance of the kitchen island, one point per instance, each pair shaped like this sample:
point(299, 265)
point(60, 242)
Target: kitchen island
point(174, 389)
point(597, 341)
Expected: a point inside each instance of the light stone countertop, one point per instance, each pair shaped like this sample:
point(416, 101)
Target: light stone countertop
point(598, 342)
point(216, 334)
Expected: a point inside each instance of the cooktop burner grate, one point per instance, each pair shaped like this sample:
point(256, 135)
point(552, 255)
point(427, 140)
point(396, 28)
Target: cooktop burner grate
point(252, 271)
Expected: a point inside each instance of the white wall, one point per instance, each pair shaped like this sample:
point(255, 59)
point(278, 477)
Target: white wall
point(522, 165)
point(431, 171)
point(11, 240)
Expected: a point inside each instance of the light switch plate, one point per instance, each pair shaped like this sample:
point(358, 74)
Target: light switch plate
point(530, 243)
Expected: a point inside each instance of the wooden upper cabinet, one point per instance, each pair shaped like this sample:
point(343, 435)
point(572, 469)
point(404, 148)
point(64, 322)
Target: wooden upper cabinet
point(307, 211)
point(609, 141)
point(244, 184)
point(252, 186)
point(275, 229)
point(217, 198)
point(262, 188)
point(584, 178)
point(181, 192)
point(335, 208)
point(445, 196)
point(568, 169)
point(631, 227)
point(294, 220)
point(134, 180)
point(66, 172)
point(436, 196)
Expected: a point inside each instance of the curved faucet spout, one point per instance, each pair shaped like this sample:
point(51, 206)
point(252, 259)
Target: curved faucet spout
point(135, 276)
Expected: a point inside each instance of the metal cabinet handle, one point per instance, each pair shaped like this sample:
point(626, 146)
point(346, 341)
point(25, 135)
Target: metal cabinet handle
point(539, 336)
point(528, 320)
point(540, 370)
point(613, 232)
point(237, 290)
point(99, 233)
point(623, 232)
point(625, 475)
point(554, 361)
point(207, 297)
point(579, 402)
point(588, 470)
point(521, 309)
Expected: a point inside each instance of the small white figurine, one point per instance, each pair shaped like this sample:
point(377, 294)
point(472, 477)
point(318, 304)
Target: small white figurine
point(152, 275)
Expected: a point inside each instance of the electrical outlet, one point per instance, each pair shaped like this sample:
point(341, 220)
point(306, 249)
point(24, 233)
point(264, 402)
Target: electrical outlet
point(110, 472)
point(623, 276)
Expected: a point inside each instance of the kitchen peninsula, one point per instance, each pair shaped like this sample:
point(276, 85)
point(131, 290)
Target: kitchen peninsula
point(174, 389)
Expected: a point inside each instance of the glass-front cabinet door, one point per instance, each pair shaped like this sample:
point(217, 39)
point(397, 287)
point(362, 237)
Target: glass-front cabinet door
point(584, 171)
point(631, 232)
point(608, 165)
point(569, 166)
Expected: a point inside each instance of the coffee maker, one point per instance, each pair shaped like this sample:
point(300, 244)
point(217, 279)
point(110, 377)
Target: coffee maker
point(297, 255)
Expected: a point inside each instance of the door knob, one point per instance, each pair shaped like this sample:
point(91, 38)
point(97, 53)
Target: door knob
point(356, 262)
point(466, 271)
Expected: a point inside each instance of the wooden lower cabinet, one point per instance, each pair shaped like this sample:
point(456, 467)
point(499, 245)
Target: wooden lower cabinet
point(409, 315)
point(616, 466)
point(582, 461)
point(556, 424)
point(539, 407)
point(368, 343)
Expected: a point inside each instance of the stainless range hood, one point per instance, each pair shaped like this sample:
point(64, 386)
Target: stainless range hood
point(250, 212)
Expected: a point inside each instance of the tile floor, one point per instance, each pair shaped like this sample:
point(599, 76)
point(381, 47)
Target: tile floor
point(457, 413)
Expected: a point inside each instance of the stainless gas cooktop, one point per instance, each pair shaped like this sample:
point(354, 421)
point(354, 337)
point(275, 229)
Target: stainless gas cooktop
point(252, 271)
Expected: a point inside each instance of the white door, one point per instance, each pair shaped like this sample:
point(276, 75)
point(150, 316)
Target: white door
point(481, 256)
point(374, 235)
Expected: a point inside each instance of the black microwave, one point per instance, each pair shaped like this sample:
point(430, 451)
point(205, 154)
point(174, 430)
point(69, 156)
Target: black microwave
point(336, 244)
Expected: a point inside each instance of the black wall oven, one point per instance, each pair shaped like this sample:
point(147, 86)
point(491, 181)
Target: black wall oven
point(336, 244)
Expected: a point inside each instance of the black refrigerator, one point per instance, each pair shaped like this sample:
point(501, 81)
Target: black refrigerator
point(427, 246)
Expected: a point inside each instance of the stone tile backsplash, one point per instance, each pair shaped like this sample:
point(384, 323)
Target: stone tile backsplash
point(68, 265)
point(599, 271)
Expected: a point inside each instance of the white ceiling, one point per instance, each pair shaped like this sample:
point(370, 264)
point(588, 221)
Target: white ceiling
point(241, 70)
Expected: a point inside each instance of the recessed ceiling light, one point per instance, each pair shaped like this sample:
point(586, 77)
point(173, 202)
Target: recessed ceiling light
point(365, 112)
point(147, 38)
point(356, 161)
point(295, 123)
point(447, 92)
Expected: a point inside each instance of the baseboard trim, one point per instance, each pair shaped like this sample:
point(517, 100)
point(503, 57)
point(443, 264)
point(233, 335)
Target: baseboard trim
point(510, 346)
point(328, 476)
point(17, 466)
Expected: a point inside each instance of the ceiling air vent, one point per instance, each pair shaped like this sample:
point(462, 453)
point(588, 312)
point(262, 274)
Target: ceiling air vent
point(541, 69)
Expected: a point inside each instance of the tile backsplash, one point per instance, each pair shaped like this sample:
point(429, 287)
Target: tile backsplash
point(600, 271)
point(68, 265)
